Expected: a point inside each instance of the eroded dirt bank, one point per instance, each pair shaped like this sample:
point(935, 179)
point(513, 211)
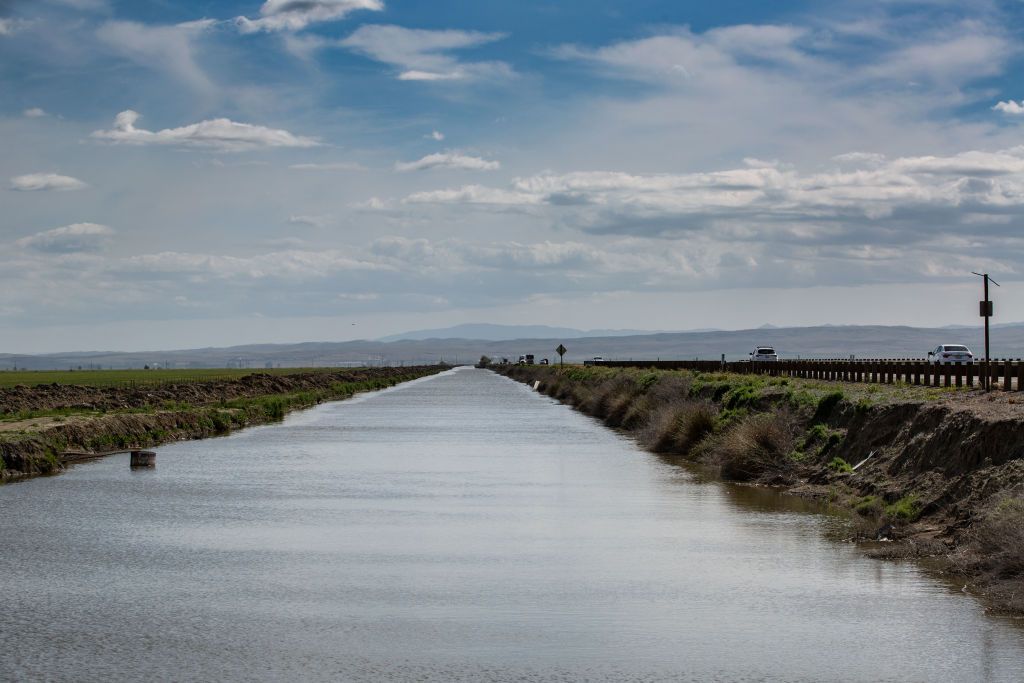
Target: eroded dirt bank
point(923, 472)
point(39, 424)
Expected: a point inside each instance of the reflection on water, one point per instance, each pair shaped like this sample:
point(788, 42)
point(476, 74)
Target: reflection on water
point(460, 527)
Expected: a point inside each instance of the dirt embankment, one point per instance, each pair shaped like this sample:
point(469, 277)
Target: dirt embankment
point(38, 425)
point(935, 473)
point(44, 397)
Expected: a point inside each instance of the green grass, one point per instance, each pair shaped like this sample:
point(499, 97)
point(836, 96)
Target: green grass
point(128, 378)
point(837, 464)
point(906, 509)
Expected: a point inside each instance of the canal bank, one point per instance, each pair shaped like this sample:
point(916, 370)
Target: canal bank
point(924, 473)
point(42, 426)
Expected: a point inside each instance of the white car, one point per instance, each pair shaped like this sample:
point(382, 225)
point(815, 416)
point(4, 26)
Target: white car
point(763, 353)
point(951, 354)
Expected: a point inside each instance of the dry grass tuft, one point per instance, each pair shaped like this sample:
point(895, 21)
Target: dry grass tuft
point(679, 426)
point(757, 446)
point(1000, 538)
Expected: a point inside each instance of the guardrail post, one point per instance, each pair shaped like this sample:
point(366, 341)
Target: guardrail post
point(1020, 375)
point(1007, 379)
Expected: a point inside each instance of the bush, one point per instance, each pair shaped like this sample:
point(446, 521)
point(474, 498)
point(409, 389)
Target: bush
point(1000, 537)
point(678, 427)
point(826, 405)
point(840, 465)
point(906, 509)
point(869, 506)
point(756, 446)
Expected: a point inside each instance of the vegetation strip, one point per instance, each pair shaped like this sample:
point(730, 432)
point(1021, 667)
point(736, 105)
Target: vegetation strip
point(39, 424)
point(940, 473)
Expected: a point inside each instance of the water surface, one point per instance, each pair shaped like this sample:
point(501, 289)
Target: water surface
point(459, 527)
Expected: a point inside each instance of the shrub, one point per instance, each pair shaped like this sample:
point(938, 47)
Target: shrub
point(756, 446)
point(826, 404)
point(869, 506)
point(839, 465)
point(678, 427)
point(906, 509)
point(1000, 537)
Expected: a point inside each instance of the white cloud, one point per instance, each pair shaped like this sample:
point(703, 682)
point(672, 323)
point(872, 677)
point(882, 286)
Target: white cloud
point(41, 182)
point(448, 160)
point(8, 27)
point(295, 15)
point(222, 135)
point(169, 49)
point(905, 198)
point(422, 55)
point(333, 166)
point(78, 237)
point(311, 221)
point(93, 5)
point(436, 135)
point(1010, 107)
point(34, 113)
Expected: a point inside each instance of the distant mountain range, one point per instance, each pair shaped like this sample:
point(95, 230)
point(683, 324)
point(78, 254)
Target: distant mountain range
point(863, 341)
point(491, 332)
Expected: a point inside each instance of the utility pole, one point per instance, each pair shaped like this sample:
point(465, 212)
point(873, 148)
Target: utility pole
point(986, 311)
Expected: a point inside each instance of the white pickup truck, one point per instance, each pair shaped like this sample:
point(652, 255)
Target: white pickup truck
point(763, 353)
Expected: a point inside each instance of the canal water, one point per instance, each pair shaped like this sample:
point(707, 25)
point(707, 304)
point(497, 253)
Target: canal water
point(459, 527)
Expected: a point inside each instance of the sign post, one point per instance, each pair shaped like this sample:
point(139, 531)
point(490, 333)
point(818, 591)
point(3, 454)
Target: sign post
point(561, 355)
point(986, 310)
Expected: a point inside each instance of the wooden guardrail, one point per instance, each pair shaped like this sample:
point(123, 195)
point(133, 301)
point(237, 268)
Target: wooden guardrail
point(1005, 373)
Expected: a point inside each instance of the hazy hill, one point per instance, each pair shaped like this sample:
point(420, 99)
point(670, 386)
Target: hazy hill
point(805, 342)
point(490, 332)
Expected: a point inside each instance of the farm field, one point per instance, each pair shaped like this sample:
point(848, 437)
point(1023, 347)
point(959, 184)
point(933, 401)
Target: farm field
point(135, 378)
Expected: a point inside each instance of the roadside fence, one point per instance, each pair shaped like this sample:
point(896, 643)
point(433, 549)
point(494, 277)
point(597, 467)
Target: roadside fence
point(1004, 373)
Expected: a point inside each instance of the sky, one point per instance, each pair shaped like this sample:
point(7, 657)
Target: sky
point(199, 173)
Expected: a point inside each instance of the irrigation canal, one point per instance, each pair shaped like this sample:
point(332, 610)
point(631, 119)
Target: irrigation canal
point(459, 527)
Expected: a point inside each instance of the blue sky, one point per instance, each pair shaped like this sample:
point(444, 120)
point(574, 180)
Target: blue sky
point(209, 173)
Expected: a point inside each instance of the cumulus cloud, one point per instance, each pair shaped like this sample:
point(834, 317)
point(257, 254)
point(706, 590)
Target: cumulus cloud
point(34, 113)
point(78, 237)
point(295, 15)
point(41, 182)
point(221, 135)
point(1010, 107)
point(422, 55)
point(436, 135)
point(903, 198)
point(448, 160)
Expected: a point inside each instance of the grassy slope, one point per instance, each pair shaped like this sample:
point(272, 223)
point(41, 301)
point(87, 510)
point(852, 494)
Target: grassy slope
point(120, 378)
point(34, 445)
point(946, 476)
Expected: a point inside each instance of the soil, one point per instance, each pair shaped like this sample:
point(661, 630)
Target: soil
point(21, 399)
